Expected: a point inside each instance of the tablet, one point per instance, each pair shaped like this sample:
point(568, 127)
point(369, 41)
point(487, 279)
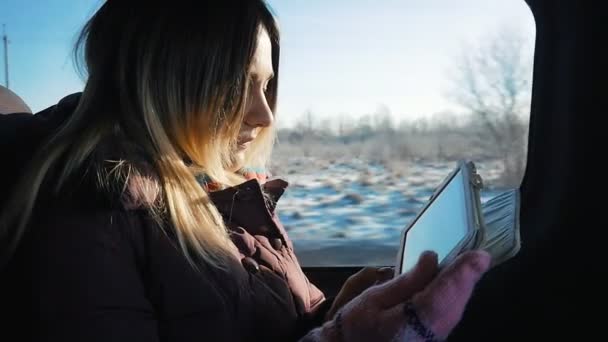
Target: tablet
point(449, 223)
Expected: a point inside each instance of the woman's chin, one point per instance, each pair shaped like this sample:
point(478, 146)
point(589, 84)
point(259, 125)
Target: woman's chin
point(238, 160)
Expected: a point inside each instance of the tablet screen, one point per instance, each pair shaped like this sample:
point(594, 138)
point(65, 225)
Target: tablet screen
point(441, 227)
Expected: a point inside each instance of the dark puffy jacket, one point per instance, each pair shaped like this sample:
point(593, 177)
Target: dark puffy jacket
point(94, 270)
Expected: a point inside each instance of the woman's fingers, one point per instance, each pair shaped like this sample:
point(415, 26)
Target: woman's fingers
point(422, 304)
point(441, 304)
point(419, 305)
point(366, 276)
point(403, 287)
point(357, 283)
point(384, 274)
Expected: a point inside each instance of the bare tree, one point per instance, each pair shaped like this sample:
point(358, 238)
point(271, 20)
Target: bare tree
point(382, 119)
point(344, 127)
point(492, 83)
point(307, 122)
point(385, 145)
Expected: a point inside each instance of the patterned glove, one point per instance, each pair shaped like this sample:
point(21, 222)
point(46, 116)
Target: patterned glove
point(421, 305)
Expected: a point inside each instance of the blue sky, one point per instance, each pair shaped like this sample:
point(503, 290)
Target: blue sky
point(339, 57)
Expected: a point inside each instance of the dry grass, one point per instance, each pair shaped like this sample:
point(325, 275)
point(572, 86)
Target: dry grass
point(395, 151)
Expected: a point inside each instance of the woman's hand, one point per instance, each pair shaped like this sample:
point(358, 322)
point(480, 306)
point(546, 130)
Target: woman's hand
point(356, 284)
point(421, 305)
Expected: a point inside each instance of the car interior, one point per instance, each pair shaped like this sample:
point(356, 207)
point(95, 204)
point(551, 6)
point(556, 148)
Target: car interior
point(537, 293)
point(542, 292)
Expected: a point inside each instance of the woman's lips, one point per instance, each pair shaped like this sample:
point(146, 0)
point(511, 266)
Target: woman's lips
point(244, 142)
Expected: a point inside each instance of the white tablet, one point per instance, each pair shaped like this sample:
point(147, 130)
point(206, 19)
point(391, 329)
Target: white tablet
point(449, 223)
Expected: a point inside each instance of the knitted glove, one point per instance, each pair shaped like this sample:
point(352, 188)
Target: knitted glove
point(356, 284)
point(421, 305)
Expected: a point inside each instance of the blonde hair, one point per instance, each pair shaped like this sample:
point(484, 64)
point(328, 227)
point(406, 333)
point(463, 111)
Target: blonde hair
point(173, 82)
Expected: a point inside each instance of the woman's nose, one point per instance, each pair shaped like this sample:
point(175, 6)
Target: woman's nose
point(258, 113)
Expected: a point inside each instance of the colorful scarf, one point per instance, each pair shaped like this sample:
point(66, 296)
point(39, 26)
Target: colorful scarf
point(248, 172)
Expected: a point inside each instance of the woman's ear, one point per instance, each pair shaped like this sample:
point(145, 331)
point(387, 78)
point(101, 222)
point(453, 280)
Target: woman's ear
point(11, 103)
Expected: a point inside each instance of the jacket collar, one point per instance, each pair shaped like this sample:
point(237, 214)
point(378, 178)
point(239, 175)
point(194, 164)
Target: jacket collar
point(251, 189)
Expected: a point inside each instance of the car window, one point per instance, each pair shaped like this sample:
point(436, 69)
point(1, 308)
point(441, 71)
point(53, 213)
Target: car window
point(379, 99)
point(377, 102)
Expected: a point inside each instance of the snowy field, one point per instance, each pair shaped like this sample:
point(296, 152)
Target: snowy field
point(352, 213)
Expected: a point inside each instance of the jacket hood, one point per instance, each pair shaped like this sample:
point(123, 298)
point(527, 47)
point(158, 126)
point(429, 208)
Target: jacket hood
point(22, 134)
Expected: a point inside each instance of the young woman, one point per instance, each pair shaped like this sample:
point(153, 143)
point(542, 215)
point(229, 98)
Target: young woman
point(145, 213)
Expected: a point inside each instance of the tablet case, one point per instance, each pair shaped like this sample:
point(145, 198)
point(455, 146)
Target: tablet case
point(495, 223)
point(502, 235)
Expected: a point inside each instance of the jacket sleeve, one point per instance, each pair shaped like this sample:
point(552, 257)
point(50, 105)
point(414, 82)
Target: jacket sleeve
point(320, 305)
point(87, 283)
point(314, 320)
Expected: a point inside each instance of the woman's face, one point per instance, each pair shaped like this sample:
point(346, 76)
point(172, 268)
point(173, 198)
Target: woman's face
point(258, 114)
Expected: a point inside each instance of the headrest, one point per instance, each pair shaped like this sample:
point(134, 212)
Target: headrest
point(21, 134)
